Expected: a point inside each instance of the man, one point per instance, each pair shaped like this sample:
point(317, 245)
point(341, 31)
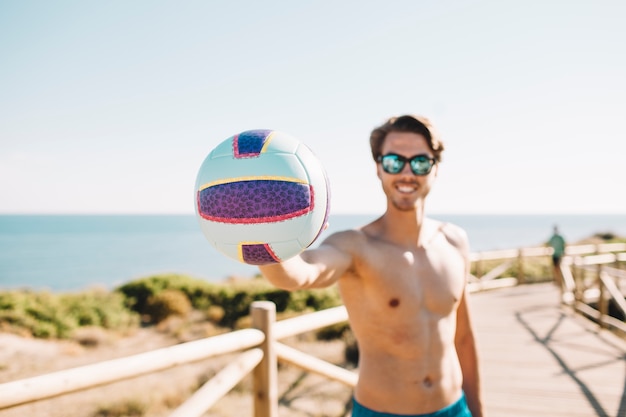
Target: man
point(403, 281)
point(557, 243)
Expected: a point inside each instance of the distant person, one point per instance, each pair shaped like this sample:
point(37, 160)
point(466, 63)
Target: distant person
point(557, 243)
point(403, 281)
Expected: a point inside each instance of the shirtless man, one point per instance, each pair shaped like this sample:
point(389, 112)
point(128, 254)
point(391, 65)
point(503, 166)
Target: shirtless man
point(403, 281)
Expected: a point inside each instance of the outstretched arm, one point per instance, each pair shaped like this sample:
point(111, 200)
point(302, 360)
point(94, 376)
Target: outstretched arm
point(313, 268)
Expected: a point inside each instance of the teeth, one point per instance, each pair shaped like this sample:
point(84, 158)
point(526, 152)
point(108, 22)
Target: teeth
point(406, 189)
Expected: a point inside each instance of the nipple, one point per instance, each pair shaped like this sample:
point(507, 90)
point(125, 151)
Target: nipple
point(394, 302)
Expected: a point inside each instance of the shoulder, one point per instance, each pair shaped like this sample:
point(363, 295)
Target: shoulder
point(353, 243)
point(337, 252)
point(454, 234)
point(345, 240)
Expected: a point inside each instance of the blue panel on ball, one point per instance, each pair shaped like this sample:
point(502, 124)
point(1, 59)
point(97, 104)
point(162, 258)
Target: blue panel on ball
point(250, 143)
point(255, 201)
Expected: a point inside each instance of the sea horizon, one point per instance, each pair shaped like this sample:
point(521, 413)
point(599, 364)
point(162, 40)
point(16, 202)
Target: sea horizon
point(68, 252)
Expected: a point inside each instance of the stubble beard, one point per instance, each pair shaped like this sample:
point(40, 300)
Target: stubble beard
point(410, 203)
point(403, 205)
point(404, 202)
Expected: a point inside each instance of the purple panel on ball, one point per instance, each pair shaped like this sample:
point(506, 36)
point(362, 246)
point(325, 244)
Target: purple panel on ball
point(249, 144)
point(258, 254)
point(255, 201)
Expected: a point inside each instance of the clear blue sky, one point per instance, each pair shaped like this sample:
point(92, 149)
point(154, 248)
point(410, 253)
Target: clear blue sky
point(111, 106)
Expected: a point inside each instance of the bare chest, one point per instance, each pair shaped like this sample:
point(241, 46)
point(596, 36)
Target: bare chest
point(410, 282)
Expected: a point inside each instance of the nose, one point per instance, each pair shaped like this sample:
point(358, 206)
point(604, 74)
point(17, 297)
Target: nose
point(406, 169)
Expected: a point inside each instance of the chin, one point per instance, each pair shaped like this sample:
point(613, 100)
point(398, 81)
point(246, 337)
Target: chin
point(402, 206)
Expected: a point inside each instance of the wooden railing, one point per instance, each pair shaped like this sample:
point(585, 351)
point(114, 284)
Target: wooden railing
point(260, 349)
point(492, 278)
point(593, 273)
point(596, 280)
point(261, 358)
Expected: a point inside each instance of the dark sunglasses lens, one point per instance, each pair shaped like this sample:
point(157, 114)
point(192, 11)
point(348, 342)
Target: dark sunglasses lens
point(392, 164)
point(421, 165)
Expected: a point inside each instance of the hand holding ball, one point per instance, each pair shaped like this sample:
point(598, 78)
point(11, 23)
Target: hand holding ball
point(261, 197)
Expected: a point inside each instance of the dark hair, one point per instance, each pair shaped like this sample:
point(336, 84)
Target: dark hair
point(406, 123)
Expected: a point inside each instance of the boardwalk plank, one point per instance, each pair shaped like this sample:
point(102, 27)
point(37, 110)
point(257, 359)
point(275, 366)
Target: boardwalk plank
point(540, 359)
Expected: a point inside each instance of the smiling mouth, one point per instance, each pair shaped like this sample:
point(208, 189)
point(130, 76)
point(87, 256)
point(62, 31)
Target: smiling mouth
point(406, 188)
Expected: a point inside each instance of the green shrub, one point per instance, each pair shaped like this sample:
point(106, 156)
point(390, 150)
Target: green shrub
point(128, 408)
point(42, 314)
point(100, 308)
point(236, 298)
point(535, 269)
point(233, 298)
point(48, 315)
point(215, 314)
point(139, 292)
point(335, 331)
point(167, 303)
point(351, 351)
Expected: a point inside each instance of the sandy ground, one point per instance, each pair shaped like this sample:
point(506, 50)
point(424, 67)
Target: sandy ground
point(157, 395)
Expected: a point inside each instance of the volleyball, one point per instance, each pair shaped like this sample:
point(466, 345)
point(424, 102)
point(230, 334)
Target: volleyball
point(261, 197)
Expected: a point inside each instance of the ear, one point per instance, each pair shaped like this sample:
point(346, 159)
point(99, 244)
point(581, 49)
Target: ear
point(435, 170)
point(378, 171)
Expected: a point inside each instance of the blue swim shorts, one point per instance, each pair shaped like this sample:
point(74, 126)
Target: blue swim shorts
point(458, 409)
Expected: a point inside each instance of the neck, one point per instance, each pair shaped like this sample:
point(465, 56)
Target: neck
point(404, 226)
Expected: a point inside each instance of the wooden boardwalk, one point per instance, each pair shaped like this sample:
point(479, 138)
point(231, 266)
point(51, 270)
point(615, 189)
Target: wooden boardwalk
point(538, 359)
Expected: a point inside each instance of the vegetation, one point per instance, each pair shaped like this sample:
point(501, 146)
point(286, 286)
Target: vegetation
point(49, 315)
point(537, 269)
point(609, 237)
point(225, 303)
point(149, 300)
point(534, 270)
point(154, 299)
point(129, 408)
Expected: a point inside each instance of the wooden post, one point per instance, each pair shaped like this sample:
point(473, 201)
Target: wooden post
point(620, 265)
point(561, 283)
point(520, 267)
point(617, 265)
point(579, 279)
point(603, 302)
point(265, 375)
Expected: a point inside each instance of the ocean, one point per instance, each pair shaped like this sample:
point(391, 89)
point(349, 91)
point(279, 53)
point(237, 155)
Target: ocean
point(76, 252)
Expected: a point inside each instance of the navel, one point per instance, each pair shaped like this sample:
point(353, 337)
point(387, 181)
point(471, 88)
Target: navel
point(394, 302)
point(427, 382)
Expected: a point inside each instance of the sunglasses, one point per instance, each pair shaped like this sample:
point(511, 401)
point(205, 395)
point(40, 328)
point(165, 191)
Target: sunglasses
point(394, 164)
